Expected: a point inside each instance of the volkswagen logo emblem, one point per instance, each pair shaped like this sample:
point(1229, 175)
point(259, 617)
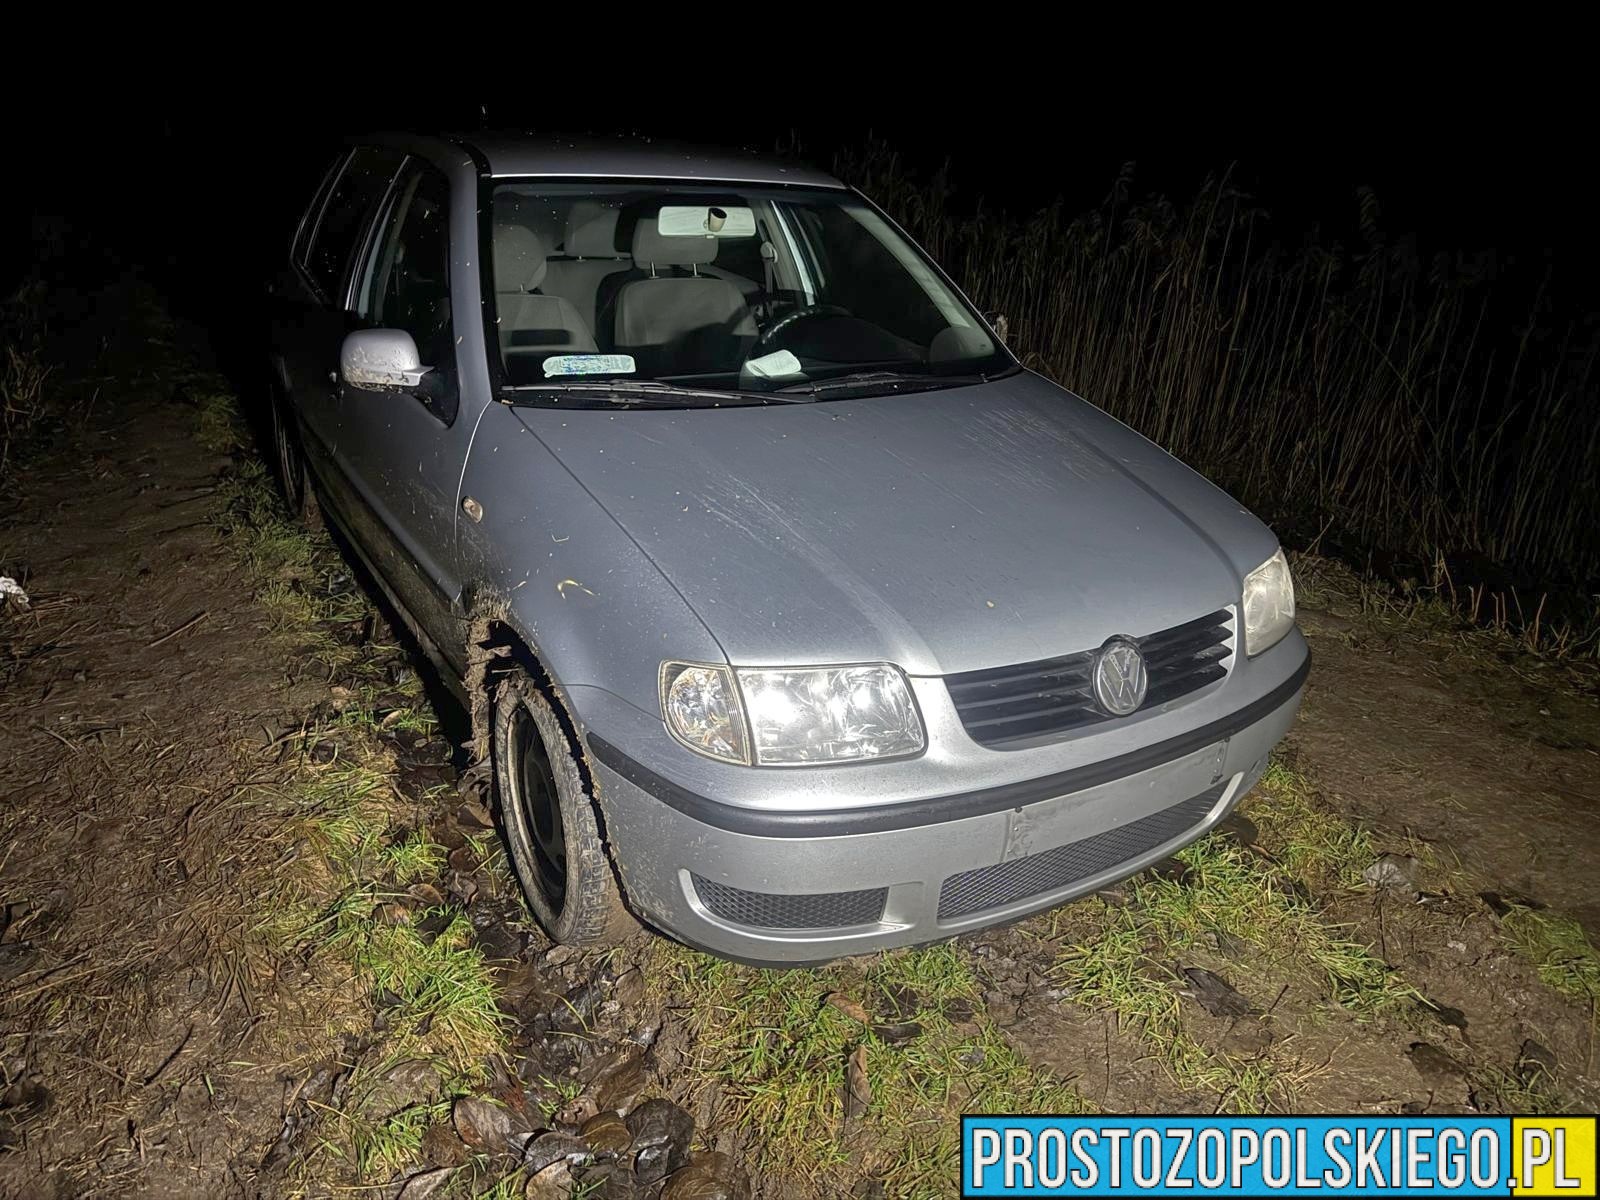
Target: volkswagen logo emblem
point(1120, 681)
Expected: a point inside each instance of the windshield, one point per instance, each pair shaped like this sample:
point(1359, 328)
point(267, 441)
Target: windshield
point(663, 290)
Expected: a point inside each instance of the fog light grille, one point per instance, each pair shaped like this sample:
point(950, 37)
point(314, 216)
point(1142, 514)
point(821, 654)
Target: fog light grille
point(1032, 875)
point(772, 910)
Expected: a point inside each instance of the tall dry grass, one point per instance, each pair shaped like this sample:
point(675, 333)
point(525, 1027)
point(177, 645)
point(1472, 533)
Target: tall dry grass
point(1358, 395)
point(22, 372)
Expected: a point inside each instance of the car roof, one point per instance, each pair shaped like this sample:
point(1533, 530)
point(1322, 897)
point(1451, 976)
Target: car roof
point(630, 157)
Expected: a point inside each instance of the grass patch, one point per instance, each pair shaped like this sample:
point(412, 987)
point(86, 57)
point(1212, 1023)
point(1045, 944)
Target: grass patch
point(440, 1001)
point(1557, 945)
point(386, 1147)
point(381, 964)
point(1235, 894)
point(508, 1187)
point(219, 425)
point(414, 858)
point(1470, 620)
point(1532, 1094)
point(301, 581)
point(419, 966)
point(24, 398)
point(1313, 844)
point(778, 1050)
point(408, 974)
point(373, 708)
point(1318, 846)
point(1113, 971)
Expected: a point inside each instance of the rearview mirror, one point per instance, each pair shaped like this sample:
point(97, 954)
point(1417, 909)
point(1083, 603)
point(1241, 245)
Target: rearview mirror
point(379, 360)
point(706, 220)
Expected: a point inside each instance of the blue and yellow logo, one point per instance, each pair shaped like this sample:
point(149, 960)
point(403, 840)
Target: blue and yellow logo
point(1553, 1156)
point(1278, 1156)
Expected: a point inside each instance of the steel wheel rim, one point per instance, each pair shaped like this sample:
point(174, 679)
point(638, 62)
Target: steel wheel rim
point(536, 807)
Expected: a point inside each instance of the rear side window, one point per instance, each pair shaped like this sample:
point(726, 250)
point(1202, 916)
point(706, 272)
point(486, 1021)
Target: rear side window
point(352, 200)
point(308, 221)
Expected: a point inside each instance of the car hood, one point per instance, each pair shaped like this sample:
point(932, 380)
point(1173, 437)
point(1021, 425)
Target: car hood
point(944, 531)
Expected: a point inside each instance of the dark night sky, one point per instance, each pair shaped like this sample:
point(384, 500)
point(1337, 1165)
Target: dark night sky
point(183, 182)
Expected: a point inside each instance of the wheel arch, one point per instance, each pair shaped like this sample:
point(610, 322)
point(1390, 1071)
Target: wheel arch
point(496, 644)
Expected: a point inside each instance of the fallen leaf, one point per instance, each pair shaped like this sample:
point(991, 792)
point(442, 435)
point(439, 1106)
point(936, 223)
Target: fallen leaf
point(850, 1008)
point(426, 1183)
point(1393, 871)
point(898, 1031)
point(857, 1087)
point(426, 893)
point(1215, 994)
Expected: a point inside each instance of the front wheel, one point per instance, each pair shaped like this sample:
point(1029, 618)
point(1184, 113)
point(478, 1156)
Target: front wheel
point(550, 823)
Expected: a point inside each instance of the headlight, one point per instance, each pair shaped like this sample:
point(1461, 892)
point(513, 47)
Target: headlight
point(825, 714)
point(701, 709)
point(1268, 604)
point(794, 716)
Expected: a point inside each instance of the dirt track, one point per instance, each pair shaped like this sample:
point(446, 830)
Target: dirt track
point(139, 693)
point(1486, 752)
point(149, 1049)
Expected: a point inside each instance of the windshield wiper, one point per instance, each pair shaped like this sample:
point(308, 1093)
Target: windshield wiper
point(893, 381)
point(634, 391)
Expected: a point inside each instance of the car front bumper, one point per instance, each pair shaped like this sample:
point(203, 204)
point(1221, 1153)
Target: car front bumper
point(791, 887)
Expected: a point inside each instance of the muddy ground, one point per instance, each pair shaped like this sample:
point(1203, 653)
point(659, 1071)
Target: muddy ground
point(160, 1037)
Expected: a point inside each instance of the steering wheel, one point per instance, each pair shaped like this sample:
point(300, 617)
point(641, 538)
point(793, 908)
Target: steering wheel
point(789, 320)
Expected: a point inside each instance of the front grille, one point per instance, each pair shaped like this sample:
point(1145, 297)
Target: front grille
point(1020, 703)
point(770, 910)
point(990, 887)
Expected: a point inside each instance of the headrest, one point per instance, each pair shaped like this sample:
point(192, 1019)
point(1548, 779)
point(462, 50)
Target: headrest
point(519, 255)
point(651, 249)
point(591, 231)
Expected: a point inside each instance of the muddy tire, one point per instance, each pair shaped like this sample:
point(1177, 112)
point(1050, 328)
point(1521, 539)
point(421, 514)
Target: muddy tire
point(550, 822)
point(289, 464)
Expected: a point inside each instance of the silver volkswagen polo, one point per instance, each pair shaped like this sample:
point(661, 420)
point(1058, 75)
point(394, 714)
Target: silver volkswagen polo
point(796, 618)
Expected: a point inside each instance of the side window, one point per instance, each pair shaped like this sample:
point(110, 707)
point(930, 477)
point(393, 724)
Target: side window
point(406, 284)
point(308, 222)
point(351, 201)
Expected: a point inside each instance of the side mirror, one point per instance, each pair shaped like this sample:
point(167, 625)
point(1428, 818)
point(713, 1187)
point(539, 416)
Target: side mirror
point(381, 360)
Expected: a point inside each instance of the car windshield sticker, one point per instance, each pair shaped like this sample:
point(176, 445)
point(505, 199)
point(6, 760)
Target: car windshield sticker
point(700, 220)
point(588, 364)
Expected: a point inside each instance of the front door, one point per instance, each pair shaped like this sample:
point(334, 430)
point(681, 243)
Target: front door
point(312, 311)
point(401, 454)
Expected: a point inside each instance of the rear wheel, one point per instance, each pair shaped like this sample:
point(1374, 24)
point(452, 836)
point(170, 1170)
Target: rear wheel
point(293, 478)
point(550, 822)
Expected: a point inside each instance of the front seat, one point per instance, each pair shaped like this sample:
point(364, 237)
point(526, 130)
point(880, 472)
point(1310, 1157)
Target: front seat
point(533, 326)
point(588, 256)
point(673, 319)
